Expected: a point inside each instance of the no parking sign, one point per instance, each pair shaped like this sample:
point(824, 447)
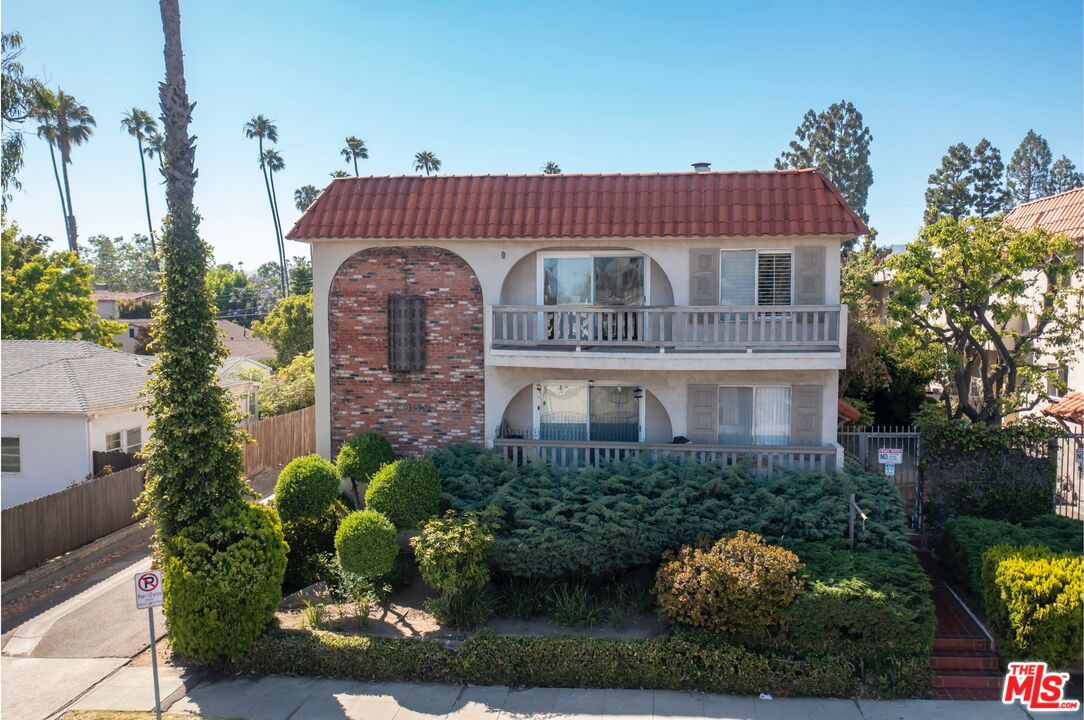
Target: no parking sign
point(148, 588)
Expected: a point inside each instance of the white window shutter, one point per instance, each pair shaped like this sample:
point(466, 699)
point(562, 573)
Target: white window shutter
point(809, 263)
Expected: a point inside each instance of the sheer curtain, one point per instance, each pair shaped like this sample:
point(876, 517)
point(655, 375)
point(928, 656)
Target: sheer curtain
point(772, 416)
point(563, 412)
point(615, 414)
point(735, 416)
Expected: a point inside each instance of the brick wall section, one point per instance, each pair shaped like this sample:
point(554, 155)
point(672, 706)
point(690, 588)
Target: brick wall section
point(416, 411)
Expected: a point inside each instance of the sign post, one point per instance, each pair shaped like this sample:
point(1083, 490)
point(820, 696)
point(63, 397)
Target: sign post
point(148, 590)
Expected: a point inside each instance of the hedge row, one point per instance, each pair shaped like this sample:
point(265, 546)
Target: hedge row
point(679, 662)
point(597, 521)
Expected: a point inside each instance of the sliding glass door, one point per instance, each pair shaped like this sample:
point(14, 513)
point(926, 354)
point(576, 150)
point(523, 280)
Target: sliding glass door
point(754, 415)
point(600, 413)
point(593, 279)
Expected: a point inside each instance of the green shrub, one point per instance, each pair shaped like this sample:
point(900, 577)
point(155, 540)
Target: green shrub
point(306, 488)
point(363, 455)
point(366, 544)
point(223, 581)
point(1034, 598)
point(406, 491)
point(740, 585)
point(451, 552)
point(556, 523)
point(312, 548)
point(964, 541)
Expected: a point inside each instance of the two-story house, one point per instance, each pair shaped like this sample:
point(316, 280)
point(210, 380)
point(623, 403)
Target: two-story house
point(583, 317)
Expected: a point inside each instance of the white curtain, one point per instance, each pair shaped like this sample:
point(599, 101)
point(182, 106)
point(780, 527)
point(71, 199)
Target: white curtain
point(563, 412)
point(739, 277)
point(772, 424)
point(735, 416)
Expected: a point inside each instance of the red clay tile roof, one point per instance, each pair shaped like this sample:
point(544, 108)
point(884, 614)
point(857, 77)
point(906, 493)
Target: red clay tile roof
point(1061, 213)
point(692, 204)
point(1070, 408)
point(847, 411)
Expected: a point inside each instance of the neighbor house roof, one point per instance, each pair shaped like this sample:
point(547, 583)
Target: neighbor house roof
point(238, 339)
point(1062, 213)
point(847, 411)
point(68, 376)
point(1070, 408)
point(123, 294)
point(72, 376)
point(690, 204)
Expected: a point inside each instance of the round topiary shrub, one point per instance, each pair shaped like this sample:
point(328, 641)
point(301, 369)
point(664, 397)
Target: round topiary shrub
point(741, 585)
point(363, 455)
point(407, 492)
point(222, 579)
point(306, 488)
point(366, 544)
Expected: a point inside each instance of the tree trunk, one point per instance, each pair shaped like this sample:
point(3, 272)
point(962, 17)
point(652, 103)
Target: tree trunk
point(355, 165)
point(73, 235)
point(176, 116)
point(278, 233)
point(147, 202)
point(274, 220)
point(60, 192)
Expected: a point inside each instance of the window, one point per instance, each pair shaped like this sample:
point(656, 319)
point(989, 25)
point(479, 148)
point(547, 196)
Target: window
point(133, 440)
point(251, 404)
point(754, 415)
point(755, 277)
point(112, 441)
point(10, 456)
point(131, 331)
point(406, 333)
point(585, 411)
point(593, 280)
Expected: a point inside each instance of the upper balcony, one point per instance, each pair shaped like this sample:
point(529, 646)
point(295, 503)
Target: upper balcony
point(672, 337)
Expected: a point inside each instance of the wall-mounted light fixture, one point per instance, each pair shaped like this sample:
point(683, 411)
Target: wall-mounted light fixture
point(638, 393)
point(590, 383)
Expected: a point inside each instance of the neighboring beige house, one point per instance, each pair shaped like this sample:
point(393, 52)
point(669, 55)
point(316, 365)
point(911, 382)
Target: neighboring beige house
point(62, 401)
point(583, 317)
point(239, 340)
point(108, 302)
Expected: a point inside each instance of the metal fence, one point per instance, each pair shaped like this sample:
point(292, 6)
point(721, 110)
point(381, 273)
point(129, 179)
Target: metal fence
point(1069, 486)
point(861, 448)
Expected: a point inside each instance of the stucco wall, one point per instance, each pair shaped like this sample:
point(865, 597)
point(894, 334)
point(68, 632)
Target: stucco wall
point(54, 455)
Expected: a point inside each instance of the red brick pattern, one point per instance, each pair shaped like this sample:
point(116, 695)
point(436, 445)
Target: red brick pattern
point(708, 204)
point(416, 411)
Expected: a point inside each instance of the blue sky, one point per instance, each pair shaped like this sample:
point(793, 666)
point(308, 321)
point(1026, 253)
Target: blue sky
point(504, 87)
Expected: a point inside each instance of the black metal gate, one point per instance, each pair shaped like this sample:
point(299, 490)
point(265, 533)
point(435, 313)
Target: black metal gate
point(864, 448)
point(1070, 482)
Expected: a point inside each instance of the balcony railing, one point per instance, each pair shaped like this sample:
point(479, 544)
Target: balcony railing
point(582, 453)
point(812, 327)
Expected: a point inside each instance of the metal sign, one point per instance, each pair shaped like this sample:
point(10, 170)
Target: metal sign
point(890, 456)
point(890, 470)
point(148, 588)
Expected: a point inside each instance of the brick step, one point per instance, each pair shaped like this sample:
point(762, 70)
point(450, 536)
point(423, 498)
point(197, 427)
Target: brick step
point(955, 644)
point(964, 694)
point(972, 679)
point(964, 660)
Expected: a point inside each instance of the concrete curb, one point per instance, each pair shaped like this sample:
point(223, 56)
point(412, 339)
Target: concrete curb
point(62, 561)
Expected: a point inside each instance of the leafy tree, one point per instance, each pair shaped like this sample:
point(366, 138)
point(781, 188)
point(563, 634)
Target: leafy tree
point(551, 168)
point(142, 126)
point(988, 187)
point(949, 191)
point(290, 388)
point(17, 91)
point(46, 295)
point(836, 142)
point(234, 298)
point(127, 265)
point(300, 276)
point(426, 161)
point(304, 196)
point(339, 174)
point(964, 286)
point(261, 128)
point(288, 327)
point(1064, 176)
point(866, 334)
point(194, 466)
point(1029, 169)
point(355, 148)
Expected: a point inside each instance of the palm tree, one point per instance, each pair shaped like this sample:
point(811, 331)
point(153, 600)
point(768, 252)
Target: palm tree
point(44, 111)
point(339, 173)
point(74, 125)
point(154, 148)
point(355, 148)
point(142, 126)
point(262, 129)
point(274, 163)
point(551, 168)
point(427, 161)
point(304, 196)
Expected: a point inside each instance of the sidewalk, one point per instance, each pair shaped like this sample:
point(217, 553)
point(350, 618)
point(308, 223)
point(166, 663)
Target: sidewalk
point(282, 698)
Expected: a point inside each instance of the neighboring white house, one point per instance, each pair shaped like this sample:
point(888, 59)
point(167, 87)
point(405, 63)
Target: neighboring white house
point(239, 340)
point(583, 317)
point(64, 400)
point(108, 302)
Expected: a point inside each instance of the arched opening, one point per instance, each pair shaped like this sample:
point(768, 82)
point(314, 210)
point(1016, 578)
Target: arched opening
point(599, 270)
point(617, 411)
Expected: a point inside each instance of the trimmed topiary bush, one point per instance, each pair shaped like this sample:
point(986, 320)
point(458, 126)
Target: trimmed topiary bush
point(451, 555)
point(306, 488)
point(363, 455)
point(407, 492)
point(312, 548)
point(366, 544)
point(223, 580)
point(741, 585)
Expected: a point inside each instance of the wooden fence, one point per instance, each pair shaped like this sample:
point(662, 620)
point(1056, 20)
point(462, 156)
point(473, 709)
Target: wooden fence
point(55, 524)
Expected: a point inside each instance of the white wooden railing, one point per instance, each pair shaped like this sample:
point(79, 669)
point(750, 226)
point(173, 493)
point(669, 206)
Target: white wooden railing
point(701, 327)
point(581, 453)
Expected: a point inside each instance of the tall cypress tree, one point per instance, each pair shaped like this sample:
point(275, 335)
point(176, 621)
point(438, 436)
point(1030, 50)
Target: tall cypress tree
point(1063, 176)
point(194, 460)
point(949, 190)
point(1029, 169)
point(987, 184)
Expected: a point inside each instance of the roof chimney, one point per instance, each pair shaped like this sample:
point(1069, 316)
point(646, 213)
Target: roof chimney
point(702, 166)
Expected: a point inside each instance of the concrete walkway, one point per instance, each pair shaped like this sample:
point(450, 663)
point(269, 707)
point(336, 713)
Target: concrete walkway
point(288, 698)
